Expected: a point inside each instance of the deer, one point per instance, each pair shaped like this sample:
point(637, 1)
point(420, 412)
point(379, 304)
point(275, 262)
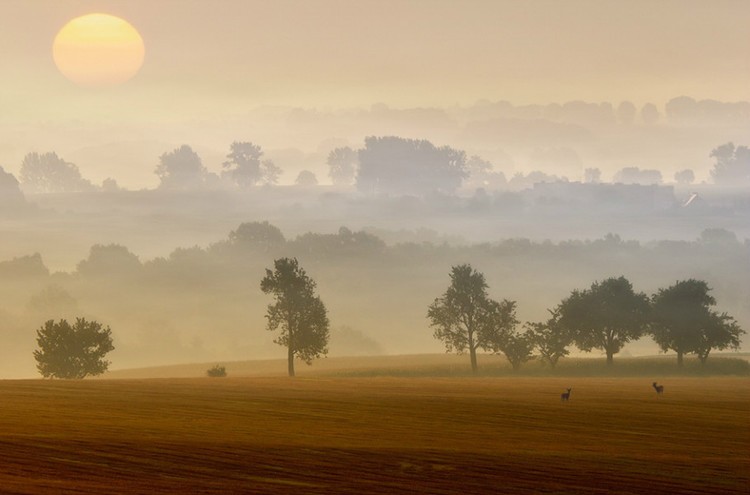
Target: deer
point(565, 396)
point(659, 388)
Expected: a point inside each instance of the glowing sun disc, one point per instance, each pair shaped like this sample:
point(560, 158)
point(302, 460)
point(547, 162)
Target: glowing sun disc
point(97, 50)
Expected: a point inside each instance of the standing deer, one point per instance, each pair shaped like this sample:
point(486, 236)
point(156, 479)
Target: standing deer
point(659, 388)
point(565, 396)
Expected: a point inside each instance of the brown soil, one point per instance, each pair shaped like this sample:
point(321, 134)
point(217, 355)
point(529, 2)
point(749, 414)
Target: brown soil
point(374, 435)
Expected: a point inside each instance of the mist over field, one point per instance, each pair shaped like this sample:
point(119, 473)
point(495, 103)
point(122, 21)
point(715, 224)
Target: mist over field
point(549, 145)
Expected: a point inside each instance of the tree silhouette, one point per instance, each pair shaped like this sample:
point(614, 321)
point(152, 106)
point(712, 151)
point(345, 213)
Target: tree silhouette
point(306, 179)
point(465, 318)
point(48, 173)
point(181, 169)
point(607, 316)
point(551, 338)
point(246, 168)
point(732, 164)
point(299, 313)
point(72, 351)
point(406, 166)
point(517, 347)
point(682, 320)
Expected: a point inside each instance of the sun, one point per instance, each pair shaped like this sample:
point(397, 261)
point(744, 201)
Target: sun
point(98, 50)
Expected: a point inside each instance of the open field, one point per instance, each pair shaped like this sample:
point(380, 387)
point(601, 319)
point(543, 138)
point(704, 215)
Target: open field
point(452, 365)
point(375, 435)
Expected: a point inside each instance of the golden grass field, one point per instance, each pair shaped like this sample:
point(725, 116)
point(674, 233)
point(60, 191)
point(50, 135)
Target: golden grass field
point(329, 435)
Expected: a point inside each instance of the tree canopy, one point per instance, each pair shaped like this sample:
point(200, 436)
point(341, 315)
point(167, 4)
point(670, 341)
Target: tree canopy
point(683, 321)
point(298, 312)
point(48, 173)
point(607, 316)
point(732, 164)
point(181, 169)
point(465, 318)
point(72, 351)
point(394, 165)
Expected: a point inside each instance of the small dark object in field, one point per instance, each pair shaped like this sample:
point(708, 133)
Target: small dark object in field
point(217, 371)
point(565, 396)
point(659, 388)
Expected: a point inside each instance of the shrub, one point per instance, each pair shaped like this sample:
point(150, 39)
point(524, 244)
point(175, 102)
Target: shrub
point(217, 371)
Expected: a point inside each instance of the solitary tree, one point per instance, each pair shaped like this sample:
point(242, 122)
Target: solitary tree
point(551, 338)
point(299, 313)
point(465, 318)
point(181, 169)
point(682, 321)
point(607, 316)
point(72, 351)
point(306, 178)
point(246, 168)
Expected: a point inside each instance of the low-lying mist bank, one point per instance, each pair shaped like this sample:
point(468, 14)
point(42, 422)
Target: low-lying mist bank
point(202, 304)
point(447, 365)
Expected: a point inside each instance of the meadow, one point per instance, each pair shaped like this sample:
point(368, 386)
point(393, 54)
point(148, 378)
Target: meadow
point(378, 434)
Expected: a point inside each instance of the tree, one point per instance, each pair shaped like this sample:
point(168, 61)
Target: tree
point(466, 318)
point(722, 332)
point(607, 316)
point(650, 114)
point(732, 165)
point(551, 338)
point(342, 164)
point(11, 196)
point(109, 261)
point(306, 179)
point(72, 351)
point(592, 176)
point(518, 348)
point(243, 163)
point(635, 175)
point(257, 235)
point(181, 169)
point(48, 173)
point(682, 320)
point(246, 168)
point(684, 176)
point(406, 166)
point(299, 313)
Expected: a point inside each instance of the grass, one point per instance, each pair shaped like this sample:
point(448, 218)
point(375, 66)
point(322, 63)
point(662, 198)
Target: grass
point(451, 365)
point(325, 434)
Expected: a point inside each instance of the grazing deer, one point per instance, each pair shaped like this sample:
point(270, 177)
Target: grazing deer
point(565, 396)
point(659, 388)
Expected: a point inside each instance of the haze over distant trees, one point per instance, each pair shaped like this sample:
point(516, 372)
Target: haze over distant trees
point(48, 173)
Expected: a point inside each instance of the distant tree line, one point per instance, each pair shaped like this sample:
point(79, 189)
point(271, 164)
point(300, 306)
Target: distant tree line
point(385, 165)
point(606, 316)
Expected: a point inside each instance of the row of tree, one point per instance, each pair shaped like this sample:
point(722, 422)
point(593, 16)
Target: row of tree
point(388, 164)
point(606, 316)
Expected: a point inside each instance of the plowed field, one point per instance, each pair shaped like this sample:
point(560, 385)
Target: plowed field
point(375, 435)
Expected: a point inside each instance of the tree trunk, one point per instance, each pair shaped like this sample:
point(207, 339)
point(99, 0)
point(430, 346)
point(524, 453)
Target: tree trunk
point(610, 358)
point(291, 360)
point(679, 359)
point(473, 354)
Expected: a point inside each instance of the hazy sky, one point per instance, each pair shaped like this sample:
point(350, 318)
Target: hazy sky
point(205, 57)
point(212, 60)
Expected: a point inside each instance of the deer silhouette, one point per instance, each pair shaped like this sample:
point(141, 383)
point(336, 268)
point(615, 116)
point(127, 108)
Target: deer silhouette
point(565, 396)
point(659, 388)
